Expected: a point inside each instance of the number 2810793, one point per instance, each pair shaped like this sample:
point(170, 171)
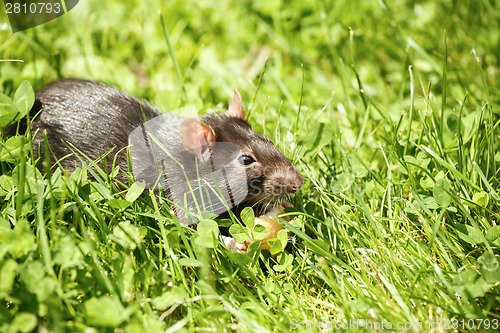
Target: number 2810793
point(32, 8)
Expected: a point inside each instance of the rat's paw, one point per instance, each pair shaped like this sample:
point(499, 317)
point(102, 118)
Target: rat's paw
point(233, 246)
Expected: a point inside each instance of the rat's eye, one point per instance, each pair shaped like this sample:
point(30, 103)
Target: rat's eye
point(245, 160)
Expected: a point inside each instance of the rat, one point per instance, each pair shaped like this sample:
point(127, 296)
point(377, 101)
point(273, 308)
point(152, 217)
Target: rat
point(96, 118)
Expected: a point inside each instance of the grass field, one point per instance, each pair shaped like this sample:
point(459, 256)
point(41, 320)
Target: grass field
point(390, 110)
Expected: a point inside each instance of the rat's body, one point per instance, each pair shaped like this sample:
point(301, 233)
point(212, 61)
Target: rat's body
point(93, 117)
point(96, 118)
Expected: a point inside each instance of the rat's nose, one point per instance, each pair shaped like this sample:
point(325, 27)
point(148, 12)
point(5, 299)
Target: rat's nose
point(300, 181)
point(296, 184)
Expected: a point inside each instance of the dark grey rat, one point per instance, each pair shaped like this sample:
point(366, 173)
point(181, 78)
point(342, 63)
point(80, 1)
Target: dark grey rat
point(96, 118)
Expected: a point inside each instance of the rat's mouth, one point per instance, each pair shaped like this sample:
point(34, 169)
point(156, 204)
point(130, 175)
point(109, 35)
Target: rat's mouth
point(271, 206)
point(262, 206)
point(268, 198)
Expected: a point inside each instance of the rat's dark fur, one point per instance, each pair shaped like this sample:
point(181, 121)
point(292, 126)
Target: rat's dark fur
point(96, 118)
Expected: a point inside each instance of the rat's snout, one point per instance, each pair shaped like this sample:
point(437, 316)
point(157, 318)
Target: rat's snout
point(297, 183)
point(291, 181)
point(288, 183)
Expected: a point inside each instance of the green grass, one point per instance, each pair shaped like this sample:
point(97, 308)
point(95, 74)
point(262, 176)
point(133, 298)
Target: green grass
point(389, 110)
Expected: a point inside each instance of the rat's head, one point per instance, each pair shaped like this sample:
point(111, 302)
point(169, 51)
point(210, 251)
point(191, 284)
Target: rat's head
point(269, 174)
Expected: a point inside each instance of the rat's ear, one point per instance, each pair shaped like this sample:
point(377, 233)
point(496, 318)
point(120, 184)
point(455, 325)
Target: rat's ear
point(235, 107)
point(195, 135)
